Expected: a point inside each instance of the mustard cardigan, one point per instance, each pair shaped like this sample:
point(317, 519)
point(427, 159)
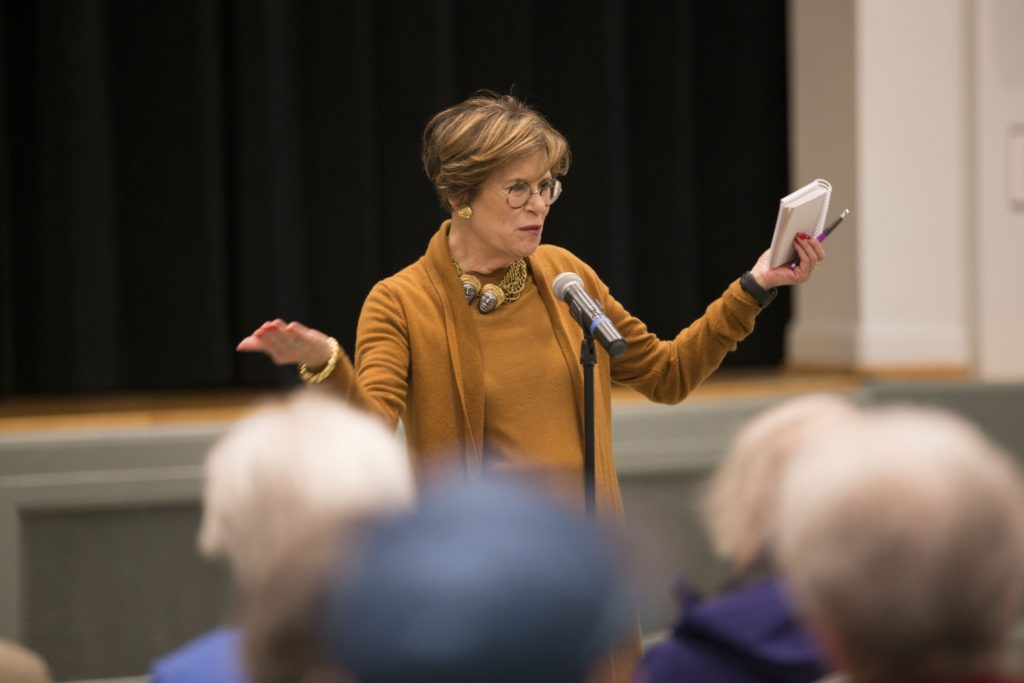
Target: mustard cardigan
point(418, 358)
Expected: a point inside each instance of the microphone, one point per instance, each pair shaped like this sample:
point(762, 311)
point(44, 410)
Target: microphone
point(588, 313)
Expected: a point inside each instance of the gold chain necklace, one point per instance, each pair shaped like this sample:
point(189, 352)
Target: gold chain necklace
point(492, 296)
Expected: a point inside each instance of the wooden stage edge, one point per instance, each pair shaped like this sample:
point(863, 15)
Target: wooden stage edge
point(47, 413)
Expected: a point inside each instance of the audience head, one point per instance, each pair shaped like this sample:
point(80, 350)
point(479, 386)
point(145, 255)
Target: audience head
point(293, 465)
point(279, 618)
point(903, 541)
point(18, 664)
point(490, 583)
point(739, 509)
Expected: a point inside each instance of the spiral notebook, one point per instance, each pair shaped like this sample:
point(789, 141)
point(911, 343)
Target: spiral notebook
point(802, 211)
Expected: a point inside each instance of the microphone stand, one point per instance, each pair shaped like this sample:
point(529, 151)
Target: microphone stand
point(588, 359)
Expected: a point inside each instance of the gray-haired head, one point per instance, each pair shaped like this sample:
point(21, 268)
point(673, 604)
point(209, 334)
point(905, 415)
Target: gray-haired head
point(903, 540)
point(306, 461)
point(740, 505)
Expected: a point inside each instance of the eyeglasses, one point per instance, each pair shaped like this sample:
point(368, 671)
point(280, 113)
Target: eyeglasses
point(519, 194)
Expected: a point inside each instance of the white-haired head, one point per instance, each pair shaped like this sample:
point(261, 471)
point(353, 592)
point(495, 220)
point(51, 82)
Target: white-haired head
point(903, 541)
point(739, 508)
point(308, 461)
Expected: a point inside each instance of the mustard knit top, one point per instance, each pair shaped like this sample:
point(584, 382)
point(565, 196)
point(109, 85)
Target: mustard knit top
point(464, 383)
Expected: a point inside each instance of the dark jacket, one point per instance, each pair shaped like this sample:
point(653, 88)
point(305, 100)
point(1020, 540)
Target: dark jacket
point(745, 636)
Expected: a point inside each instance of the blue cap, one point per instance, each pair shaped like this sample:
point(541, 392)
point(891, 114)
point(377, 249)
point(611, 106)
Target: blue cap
point(483, 583)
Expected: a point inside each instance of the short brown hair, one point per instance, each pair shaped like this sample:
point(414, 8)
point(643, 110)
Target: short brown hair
point(463, 145)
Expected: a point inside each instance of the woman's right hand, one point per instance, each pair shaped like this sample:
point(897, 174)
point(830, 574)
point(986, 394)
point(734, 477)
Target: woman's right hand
point(288, 344)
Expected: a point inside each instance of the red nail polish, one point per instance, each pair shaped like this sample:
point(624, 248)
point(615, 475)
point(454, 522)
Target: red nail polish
point(802, 236)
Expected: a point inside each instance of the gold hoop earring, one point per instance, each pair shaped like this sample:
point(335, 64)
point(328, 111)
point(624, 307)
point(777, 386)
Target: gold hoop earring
point(465, 211)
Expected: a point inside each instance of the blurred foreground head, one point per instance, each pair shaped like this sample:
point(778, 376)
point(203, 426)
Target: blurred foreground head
point(18, 664)
point(739, 509)
point(282, 486)
point(903, 540)
point(305, 462)
point(486, 583)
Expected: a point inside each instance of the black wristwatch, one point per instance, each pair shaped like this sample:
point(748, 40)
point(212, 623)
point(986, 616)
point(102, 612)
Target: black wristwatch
point(763, 296)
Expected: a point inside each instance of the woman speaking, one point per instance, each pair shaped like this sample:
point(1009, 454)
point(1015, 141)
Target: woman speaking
point(469, 345)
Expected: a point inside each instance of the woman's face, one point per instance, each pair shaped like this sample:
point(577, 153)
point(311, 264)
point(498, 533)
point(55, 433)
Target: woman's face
point(498, 230)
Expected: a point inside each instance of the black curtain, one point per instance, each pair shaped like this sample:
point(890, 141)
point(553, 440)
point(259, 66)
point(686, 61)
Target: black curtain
point(173, 173)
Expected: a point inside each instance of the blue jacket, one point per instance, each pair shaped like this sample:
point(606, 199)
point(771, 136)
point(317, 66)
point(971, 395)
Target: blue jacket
point(215, 657)
point(749, 635)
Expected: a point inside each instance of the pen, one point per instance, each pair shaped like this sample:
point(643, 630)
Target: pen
point(835, 224)
point(824, 233)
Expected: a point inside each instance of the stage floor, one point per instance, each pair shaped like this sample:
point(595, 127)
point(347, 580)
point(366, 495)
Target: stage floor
point(45, 413)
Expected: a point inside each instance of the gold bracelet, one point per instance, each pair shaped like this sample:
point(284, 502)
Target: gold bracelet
point(310, 377)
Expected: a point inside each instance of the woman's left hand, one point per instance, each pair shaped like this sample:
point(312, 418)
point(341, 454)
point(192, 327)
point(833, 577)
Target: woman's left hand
point(809, 250)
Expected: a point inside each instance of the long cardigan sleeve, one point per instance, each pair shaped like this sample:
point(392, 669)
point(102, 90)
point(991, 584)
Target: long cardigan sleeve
point(666, 371)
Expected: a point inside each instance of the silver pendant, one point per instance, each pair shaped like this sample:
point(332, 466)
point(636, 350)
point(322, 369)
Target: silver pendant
point(470, 286)
point(490, 298)
point(488, 302)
